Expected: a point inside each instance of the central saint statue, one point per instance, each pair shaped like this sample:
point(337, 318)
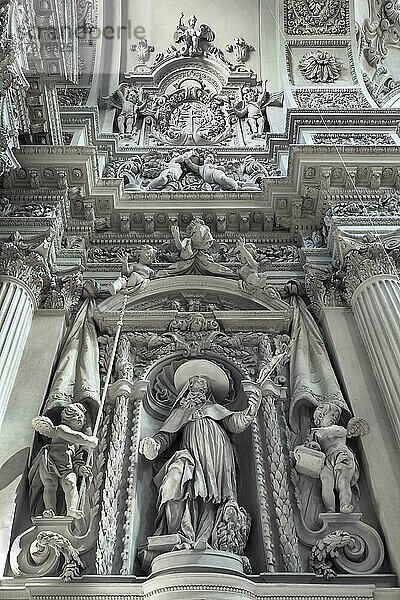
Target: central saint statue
point(199, 480)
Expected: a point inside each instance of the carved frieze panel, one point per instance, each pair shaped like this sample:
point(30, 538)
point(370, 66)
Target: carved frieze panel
point(387, 205)
point(354, 139)
point(192, 170)
point(305, 17)
point(341, 99)
point(379, 45)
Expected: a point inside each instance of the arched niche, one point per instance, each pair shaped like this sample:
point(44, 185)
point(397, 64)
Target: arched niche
point(244, 448)
point(221, 302)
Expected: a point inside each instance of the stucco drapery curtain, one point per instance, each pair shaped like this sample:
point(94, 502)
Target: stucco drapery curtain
point(77, 377)
point(312, 378)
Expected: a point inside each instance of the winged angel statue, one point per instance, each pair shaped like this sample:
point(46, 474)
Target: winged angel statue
point(132, 103)
point(61, 462)
point(327, 456)
point(196, 40)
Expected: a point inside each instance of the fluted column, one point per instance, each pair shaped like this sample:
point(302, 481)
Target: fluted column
point(373, 289)
point(17, 306)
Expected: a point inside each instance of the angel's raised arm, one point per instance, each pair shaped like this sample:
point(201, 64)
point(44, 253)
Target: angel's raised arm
point(75, 437)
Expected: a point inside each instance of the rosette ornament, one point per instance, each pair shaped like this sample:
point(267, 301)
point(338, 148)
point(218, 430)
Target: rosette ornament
point(320, 67)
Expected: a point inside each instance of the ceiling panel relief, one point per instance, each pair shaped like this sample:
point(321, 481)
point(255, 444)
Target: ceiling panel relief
point(378, 40)
point(322, 74)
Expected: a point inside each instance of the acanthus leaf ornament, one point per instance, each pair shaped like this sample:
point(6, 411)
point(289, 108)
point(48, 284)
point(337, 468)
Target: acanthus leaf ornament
point(365, 262)
point(49, 541)
point(240, 49)
point(323, 552)
point(143, 50)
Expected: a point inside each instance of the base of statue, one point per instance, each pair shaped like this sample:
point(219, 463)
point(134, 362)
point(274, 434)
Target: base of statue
point(29, 560)
point(360, 550)
point(193, 561)
point(174, 554)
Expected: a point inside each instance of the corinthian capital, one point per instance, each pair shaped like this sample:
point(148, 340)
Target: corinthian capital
point(360, 264)
point(324, 286)
point(29, 262)
point(29, 265)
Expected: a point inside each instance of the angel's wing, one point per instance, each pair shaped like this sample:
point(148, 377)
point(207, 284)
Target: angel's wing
point(113, 100)
point(206, 33)
point(356, 427)
point(179, 34)
point(44, 426)
point(275, 99)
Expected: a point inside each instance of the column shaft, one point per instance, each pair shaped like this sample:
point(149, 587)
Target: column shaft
point(376, 305)
point(16, 312)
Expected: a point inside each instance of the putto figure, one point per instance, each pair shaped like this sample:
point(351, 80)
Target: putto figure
point(209, 172)
point(196, 40)
point(252, 279)
point(253, 108)
point(200, 477)
point(61, 462)
point(135, 276)
point(170, 177)
point(132, 103)
point(339, 468)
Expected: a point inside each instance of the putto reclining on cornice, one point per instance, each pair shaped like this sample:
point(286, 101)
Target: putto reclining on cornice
point(191, 170)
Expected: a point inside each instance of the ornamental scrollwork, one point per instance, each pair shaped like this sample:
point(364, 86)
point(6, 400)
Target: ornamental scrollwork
point(306, 17)
point(382, 31)
point(50, 553)
point(328, 99)
point(378, 40)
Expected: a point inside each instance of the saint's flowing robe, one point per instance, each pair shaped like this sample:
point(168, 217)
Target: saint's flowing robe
point(202, 474)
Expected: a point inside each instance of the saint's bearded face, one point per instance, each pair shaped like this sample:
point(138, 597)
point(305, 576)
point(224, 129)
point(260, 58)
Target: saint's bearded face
point(198, 384)
point(197, 394)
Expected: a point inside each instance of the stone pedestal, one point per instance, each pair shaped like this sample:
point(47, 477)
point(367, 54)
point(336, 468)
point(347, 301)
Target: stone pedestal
point(29, 557)
point(193, 561)
point(16, 312)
